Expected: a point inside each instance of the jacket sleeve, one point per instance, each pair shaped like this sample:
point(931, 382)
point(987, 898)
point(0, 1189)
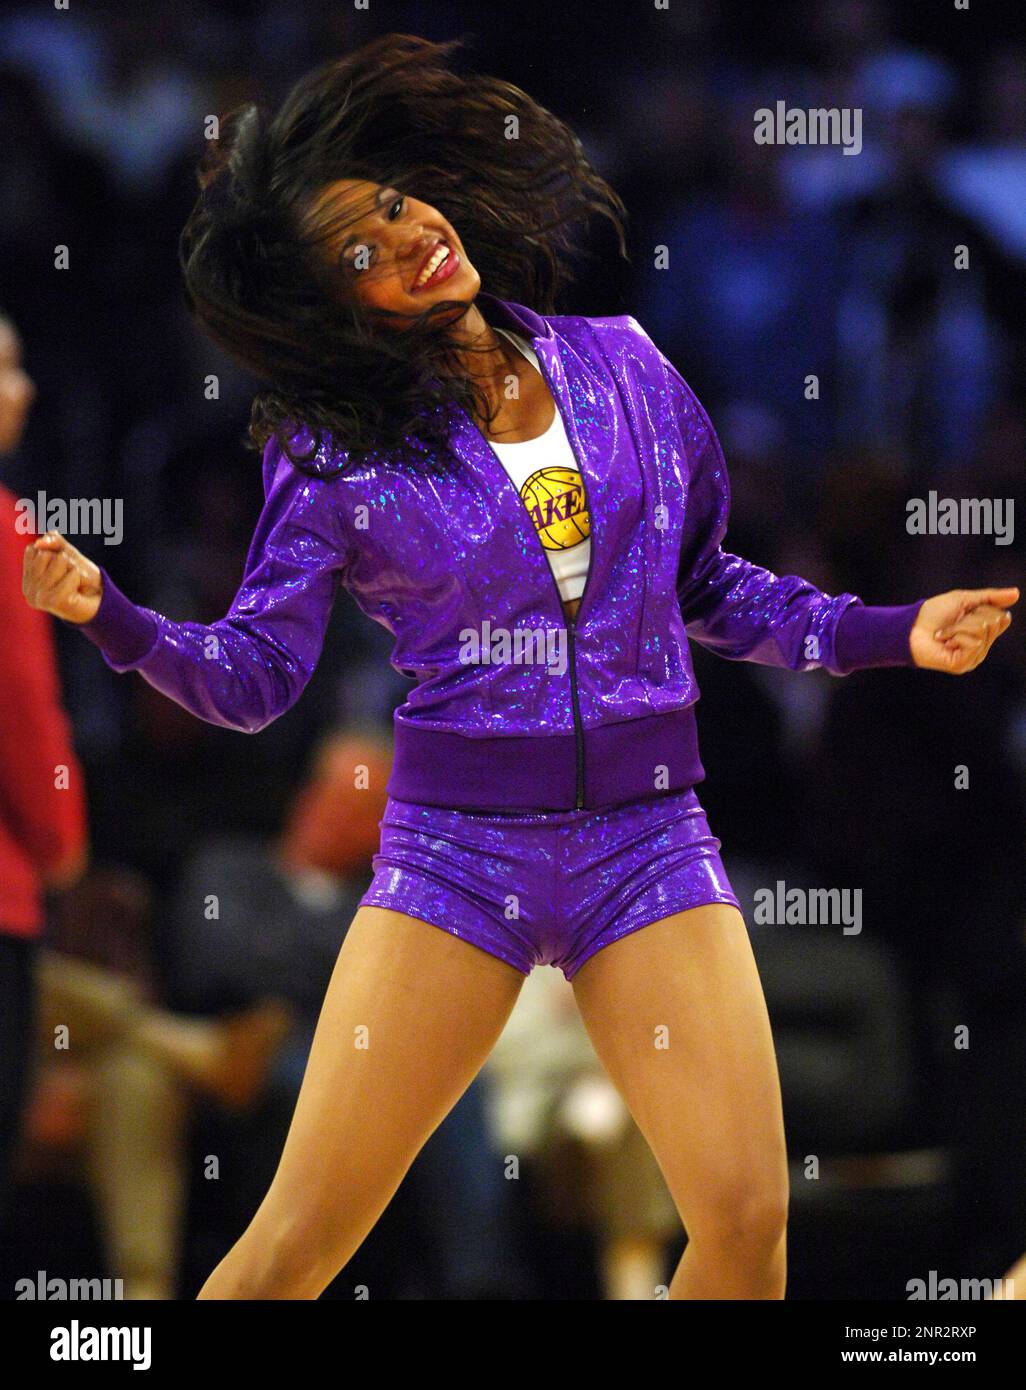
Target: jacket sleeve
point(245, 670)
point(747, 613)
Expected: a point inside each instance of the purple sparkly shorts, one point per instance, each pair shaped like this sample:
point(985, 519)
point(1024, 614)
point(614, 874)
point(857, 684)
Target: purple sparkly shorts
point(547, 887)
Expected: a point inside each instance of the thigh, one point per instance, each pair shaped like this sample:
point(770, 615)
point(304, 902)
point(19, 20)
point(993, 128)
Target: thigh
point(677, 1016)
point(410, 1016)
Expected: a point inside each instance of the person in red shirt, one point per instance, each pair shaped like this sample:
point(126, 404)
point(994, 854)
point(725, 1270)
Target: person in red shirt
point(43, 843)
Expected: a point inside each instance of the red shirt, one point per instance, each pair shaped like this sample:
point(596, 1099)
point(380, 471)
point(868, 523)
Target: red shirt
point(42, 793)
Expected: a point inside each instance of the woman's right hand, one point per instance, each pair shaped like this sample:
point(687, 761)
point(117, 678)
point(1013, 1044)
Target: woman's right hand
point(60, 580)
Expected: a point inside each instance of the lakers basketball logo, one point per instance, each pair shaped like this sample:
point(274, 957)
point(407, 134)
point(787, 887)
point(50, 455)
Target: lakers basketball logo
point(554, 497)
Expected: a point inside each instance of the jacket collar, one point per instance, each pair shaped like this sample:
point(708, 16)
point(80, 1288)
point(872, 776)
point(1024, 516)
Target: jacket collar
point(508, 314)
point(496, 482)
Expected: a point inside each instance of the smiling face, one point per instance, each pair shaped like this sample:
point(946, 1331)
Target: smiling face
point(392, 251)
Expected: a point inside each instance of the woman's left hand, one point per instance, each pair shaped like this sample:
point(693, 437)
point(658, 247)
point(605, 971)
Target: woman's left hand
point(953, 632)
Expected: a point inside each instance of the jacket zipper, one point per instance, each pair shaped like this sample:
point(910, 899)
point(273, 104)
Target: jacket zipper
point(578, 727)
point(571, 622)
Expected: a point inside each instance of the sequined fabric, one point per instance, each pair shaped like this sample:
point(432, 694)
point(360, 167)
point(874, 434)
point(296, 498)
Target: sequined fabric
point(548, 888)
point(435, 557)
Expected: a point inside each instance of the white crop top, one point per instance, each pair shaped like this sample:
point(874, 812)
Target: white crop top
point(544, 472)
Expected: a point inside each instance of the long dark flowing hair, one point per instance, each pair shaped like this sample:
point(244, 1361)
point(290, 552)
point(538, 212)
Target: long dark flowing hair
point(396, 115)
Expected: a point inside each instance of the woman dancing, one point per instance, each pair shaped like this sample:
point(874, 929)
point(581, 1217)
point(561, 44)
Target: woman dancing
point(534, 505)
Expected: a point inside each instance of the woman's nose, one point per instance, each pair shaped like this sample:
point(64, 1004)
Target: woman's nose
point(415, 249)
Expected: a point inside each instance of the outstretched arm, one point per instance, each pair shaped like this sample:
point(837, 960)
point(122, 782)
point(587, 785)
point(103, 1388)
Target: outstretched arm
point(746, 612)
point(245, 670)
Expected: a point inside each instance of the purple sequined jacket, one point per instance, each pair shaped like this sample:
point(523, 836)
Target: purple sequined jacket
point(432, 557)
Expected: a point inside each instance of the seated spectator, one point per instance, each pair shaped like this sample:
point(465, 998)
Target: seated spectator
point(116, 1074)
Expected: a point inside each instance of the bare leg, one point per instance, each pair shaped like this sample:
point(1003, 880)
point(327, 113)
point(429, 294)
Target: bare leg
point(677, 1017)
point(410, 1016)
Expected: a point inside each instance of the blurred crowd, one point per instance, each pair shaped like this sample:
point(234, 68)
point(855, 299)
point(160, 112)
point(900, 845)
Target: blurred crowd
point(758, 269)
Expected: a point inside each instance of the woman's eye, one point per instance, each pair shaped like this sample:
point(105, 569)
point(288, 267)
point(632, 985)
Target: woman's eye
point(351, 262)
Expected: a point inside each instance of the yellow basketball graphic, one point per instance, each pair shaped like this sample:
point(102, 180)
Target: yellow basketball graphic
point(554, 497)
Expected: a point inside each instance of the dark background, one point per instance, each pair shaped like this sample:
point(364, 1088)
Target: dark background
point(783, 262)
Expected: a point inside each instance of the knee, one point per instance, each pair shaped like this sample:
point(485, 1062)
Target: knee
point(748, 1215)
